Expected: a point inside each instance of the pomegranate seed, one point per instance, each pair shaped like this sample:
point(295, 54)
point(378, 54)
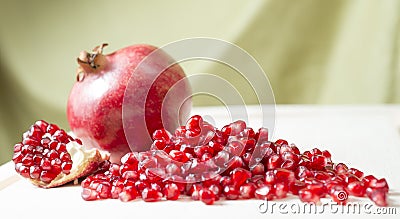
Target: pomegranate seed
point(356, 188)
point(141, 185)
point(88, 194)
point(341, 168)
point(178, 156)
point(274, 162)
point(264, 193)
point(151, 195)
point(239, 176)
point(231, 193)
point(171, 191)
point(281, 190)
point(104, 190)
point(356, 172)
point(216, 189)
point(380, 184)
point(281, 142)
point(296, 186)
point(257, 169)
point(307, 195)
point(128, 193)
point(318, 162)
point(116, 190)
point(225, 181)
point(247, 190)
point(284, 176)
point(302, 172)
point(369, 180)
point(194, 191)
point(318, 189)
point(270, 177)
point(350, 178)
point(378, 196)
point(207, 196)
point(262, 135)
point(161, 134)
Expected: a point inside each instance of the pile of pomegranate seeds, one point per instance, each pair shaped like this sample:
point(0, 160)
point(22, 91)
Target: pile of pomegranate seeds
point(235, 162)
point(42, 154)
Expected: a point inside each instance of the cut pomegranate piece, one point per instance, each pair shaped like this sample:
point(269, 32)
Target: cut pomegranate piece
point(49, 157)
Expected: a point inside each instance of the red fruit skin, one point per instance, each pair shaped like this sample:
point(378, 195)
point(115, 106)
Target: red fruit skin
point(94, 108)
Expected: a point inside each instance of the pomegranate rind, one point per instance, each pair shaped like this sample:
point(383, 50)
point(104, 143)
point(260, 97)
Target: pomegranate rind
point(88, 166)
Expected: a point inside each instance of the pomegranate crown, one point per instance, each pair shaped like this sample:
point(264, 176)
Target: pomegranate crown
point(91, 62)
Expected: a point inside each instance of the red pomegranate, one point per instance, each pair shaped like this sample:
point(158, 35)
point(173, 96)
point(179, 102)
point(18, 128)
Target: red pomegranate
point(96, 102)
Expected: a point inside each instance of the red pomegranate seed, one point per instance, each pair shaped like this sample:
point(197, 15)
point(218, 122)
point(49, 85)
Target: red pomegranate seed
point(128, 193)
point(116, 190)
point(178, 156)
point(281, 142)
point(161, 134)
point(141, 185)
point(239, 176)
point(270, 178)
point(296, 186)
point(318, 189)
point(302, 172)
point(247, 190)
point(318, 162)
point(356, 172)
point(284, 176)
point(369, 180)
point(356, 188)
point(104, 190)
point(378, 196)
point(341, 168)
point(231, 192)
point(262, 135)
point(207, 196)
point(254, 168)
point(274, 162)
point(151, 195)
point(171, 191)
point(281, 190)
point(194, 191)
point(380, 184)
point(89, 194)
point(307, 195)
point(264, 193)
point(257, 169)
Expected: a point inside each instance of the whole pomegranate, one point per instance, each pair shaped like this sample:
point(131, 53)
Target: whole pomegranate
point(95, 105)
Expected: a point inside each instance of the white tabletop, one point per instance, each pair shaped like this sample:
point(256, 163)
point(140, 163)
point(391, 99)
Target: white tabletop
point(364, 137)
